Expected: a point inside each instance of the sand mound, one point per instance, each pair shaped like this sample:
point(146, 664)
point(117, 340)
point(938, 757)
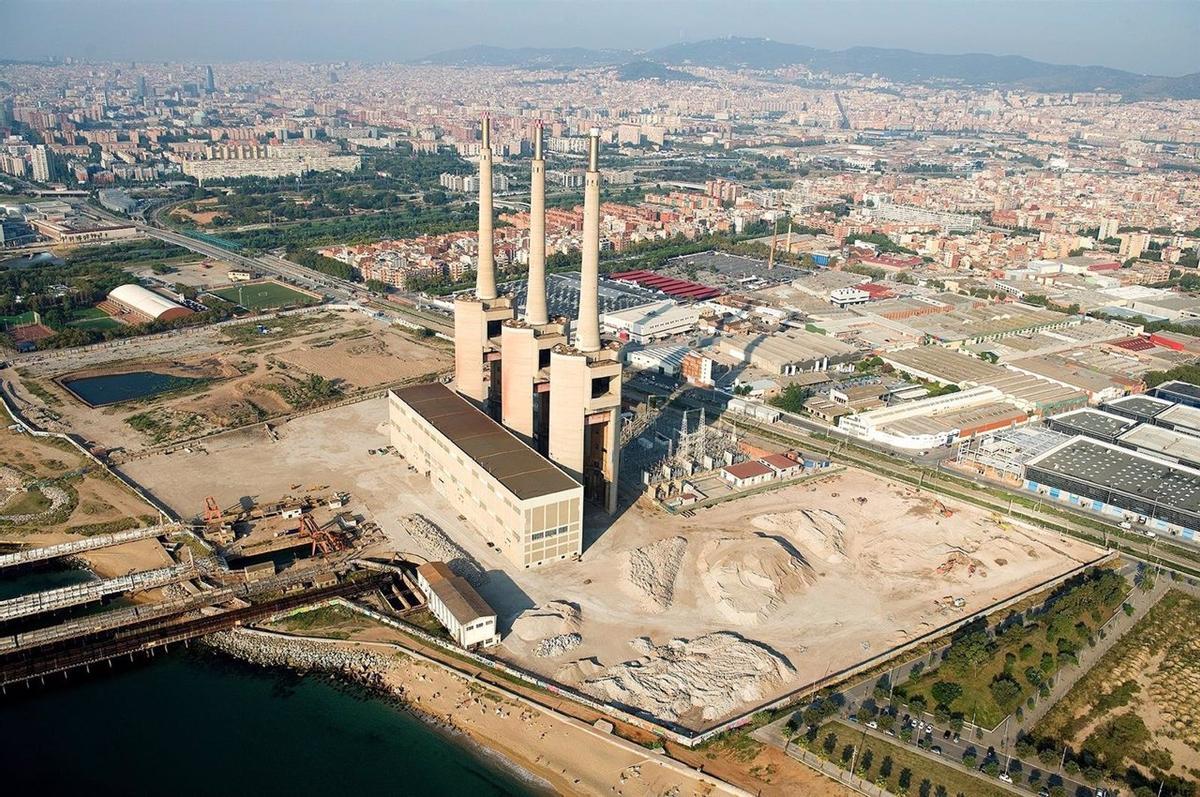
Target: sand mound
point(819, 531)
point(750, 578)
point(650, 571)
point(555, 619)
point(710, 676)
point(579, 670)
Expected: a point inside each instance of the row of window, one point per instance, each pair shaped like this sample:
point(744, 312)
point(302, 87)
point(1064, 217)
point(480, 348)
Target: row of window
point(538, 535)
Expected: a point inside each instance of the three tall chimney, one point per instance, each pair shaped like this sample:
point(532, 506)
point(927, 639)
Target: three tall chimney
point(587, 338)
point(535, 302)
point(485, 274)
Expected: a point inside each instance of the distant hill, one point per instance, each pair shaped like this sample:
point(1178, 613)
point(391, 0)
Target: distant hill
point(648, 70)
point(969, 69)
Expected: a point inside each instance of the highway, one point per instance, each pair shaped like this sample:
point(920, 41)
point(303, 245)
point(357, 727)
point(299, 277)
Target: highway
point(332, 288)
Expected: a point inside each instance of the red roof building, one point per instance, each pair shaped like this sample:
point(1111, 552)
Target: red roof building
point(683, 290)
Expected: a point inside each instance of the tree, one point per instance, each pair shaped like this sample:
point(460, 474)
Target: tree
point(945, 692)
point(1123, 736)
point(1005, 691)
point(885, 767)
point(905, 779)
point(830, 743)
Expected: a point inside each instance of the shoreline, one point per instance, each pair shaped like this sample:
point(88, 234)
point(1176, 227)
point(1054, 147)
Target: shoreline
point(552, 753)
point(354, 669)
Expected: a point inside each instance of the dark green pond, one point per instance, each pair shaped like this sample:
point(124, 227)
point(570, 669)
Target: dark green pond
point(114, 388)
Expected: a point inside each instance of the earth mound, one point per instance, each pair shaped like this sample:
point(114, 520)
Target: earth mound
point(819, 531)
point(749, 578)
point(554, 619)
point(650, 571)
point(704, 678)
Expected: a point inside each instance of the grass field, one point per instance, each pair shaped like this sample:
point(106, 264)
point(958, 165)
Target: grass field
point(92, 318)
point(15, 320)
point(1152, 673)
point(985, 677)
point(263, 296)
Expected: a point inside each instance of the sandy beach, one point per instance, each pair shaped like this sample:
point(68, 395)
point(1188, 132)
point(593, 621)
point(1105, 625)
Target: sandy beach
point(569, 755)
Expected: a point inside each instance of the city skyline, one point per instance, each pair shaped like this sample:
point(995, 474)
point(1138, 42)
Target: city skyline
point(1148, 38)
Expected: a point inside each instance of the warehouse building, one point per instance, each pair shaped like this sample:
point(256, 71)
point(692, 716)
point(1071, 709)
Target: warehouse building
point(790, 352)
point(461, 610)
point(520, 502)
point(937, 421)
point(667, 360)
point(1157, 412)
point(650, 322)
point(1127, 485)
point(948, 367)
point(1142, 409)
point(1178, 392)
point(1093, 423)
point(1163, 443)
point(144, 305)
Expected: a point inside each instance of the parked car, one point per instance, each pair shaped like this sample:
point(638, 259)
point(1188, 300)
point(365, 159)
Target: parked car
point(1004, 776)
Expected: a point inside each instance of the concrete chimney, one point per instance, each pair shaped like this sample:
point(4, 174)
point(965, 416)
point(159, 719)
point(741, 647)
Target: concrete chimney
point(535, 302)
point(587, 338)
point(485, 273)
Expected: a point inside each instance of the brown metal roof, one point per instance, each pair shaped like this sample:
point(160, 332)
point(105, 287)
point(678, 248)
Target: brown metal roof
point(455, 593)
point(515, 465)
point(747, 470)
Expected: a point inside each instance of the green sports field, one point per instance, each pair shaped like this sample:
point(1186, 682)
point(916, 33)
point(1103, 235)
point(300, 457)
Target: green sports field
point(263, 295)
point(16, 320)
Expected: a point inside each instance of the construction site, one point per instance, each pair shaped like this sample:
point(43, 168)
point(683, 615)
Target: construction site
point(164, 389)
point(784, 587)
point(653, 561)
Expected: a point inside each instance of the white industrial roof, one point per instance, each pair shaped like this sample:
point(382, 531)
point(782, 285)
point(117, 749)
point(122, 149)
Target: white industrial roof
point(145, 302)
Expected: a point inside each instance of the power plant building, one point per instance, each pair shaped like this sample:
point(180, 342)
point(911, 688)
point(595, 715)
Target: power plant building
point(532, 428)
point(521, 502)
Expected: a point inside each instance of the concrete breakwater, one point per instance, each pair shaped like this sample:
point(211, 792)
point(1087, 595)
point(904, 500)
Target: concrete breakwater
point(364, 667)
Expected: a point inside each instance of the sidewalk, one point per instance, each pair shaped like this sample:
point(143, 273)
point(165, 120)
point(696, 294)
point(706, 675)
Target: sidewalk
point(775, 735)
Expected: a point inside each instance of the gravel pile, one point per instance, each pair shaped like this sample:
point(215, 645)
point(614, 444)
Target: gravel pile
point(440, 547)
point(557, 645)
point(650, 571)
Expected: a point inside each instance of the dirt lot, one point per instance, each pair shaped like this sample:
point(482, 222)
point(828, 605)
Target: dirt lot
point(1153, 672)
point(301, 361)
point(689, 618)
point(71, 503)
point(196, 273)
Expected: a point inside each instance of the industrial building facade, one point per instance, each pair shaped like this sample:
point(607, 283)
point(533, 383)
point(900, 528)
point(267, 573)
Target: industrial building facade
point(467, 617)
point(1102, 477)
point(518, 500)
point(552, 382)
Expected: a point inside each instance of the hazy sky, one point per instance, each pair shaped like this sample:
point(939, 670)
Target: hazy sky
point(1156, 36)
